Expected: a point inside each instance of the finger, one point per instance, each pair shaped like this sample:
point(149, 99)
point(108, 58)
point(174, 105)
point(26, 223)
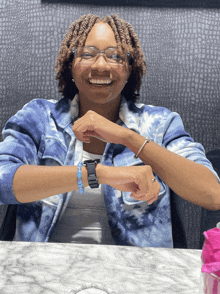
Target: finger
point(82, 127)
point(81, 131)
point(156, 189)
point(138, 197)
point(88, 134)
point(143, 187)
point(86, 122)
point(139, 194)
point(85, 130)
point(145, 197)
point(95, 135)
point(149, 193)
point(86, 140)
point(150, 201)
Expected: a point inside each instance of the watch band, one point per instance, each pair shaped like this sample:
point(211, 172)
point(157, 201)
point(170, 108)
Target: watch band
point(92, 179)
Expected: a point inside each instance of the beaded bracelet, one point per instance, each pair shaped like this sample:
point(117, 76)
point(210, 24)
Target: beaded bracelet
point(79, 177)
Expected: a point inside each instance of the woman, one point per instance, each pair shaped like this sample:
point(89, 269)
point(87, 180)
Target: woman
point(143, 150)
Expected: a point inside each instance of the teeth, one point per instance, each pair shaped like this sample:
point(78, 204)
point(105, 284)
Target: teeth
point(100, 82)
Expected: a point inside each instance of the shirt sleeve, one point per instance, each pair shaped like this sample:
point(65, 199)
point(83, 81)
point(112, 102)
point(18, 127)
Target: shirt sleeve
point(177, 140)
point(22, 136)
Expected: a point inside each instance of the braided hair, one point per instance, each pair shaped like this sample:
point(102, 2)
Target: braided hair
point(76, 36)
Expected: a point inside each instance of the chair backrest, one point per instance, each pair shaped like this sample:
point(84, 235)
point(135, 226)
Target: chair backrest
point(190, 221)
point(3, 211)
point(181, 47)
point(7, 222)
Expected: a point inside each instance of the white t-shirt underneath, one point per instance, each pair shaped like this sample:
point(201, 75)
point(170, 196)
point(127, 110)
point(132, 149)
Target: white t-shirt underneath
point(84, 220)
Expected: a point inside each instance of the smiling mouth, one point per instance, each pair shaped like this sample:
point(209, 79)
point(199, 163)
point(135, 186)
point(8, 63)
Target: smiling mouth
point(100, 82)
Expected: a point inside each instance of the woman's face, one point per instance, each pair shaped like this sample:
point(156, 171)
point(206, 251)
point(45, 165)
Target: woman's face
point(87, 77)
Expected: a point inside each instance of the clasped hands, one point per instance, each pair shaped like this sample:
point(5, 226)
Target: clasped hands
point(134, 179)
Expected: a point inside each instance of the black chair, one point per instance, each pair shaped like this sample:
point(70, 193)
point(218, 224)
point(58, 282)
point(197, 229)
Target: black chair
point(209, 219)
point(190, 221)
point(8, 222)
point(181, 47)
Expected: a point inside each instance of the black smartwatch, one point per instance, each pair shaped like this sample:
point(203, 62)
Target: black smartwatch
point(92, 179)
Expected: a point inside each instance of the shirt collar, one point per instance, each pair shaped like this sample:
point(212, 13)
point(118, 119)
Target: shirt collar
point(67, 110)
point(129, 114)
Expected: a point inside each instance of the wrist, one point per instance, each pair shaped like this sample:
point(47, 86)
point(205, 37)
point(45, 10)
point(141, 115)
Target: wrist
point(133, 140)
point(128, 137)
point(101, 173)
point(84, 176)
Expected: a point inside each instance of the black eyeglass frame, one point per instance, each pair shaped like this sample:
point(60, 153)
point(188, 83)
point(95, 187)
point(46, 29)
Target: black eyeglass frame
point(128, 54)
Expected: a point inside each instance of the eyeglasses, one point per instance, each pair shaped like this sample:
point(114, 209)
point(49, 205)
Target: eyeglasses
point(113, 55)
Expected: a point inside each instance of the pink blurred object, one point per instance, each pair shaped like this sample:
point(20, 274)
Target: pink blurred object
point(211, 284)
point(211, 261)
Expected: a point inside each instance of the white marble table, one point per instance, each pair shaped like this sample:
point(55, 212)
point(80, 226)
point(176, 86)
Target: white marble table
point(97, 269)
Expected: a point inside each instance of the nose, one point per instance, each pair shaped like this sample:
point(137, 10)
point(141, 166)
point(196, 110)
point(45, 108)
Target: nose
point(100, 64)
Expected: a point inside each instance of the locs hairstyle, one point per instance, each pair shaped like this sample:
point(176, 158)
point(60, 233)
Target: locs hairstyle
point(76, 36)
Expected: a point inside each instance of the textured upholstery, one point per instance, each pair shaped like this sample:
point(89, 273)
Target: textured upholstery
point(145, 3)
point(181, 43)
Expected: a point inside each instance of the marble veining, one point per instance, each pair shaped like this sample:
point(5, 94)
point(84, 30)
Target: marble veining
point(27, 267)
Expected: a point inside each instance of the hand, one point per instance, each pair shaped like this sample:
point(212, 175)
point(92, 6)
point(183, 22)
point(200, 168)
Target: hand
point(93, 124)
point(134, 179)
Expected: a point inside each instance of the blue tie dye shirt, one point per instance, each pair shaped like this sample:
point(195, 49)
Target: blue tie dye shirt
point(41, 134)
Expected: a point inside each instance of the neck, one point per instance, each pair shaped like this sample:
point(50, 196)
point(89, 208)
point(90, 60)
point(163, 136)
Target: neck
point(107, 110)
